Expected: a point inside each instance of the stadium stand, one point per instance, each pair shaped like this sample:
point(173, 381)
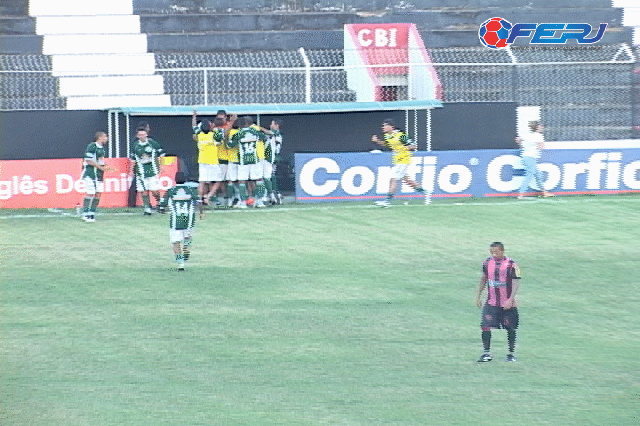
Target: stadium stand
point(172, 41)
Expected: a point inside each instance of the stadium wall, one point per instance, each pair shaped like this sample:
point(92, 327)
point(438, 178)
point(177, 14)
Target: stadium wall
point(65, 134)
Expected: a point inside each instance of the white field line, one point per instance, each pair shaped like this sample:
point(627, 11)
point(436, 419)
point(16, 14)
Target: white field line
point(337, 206)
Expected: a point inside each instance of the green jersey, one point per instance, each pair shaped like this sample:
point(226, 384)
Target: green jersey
point(146, 155)
point(272, 147)
point(181, 201)
point(246, 140)
point(96, 154)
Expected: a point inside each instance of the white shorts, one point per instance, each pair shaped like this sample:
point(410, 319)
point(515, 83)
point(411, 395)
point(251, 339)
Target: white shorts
point(93, 186)
point(210, 173)
point(267, 169)
point(179, 235)
point(224, 170)
point(399, 171)
point(147, 184)
point(232, 172)
point(250, 172)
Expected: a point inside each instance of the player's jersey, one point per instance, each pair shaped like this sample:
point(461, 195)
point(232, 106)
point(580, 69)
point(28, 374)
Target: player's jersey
point(95, 153)
point(207, 147)
point(181, 201)
point(146, 155)
point(223, 150)
point(500, 275)
point(272, 146)
point(246, 140)
point(259, 144)
point(232, 149)
point(399, 143)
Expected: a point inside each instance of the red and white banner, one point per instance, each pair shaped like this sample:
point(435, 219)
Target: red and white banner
point(57, 183)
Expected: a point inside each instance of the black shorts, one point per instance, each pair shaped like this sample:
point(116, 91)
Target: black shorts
point(496, 317)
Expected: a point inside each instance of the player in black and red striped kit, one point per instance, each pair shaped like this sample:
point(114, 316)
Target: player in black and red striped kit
point(501, 277)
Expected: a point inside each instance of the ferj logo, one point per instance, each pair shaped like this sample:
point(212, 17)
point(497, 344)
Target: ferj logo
point(498, 33)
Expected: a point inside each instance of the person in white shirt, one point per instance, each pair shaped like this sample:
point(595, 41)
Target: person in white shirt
point(531, 145)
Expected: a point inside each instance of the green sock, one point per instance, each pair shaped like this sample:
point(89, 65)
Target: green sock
point(86, 205)
point(242, 189)
point(260, 189)
point(145, 201)
point(186, 249)
point(268, 185)
point(274, 183)
point(94, 204)
point(230, 190)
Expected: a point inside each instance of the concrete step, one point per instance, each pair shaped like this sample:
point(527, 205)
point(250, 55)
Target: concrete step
point(80, 7)
point(424, 19)
point(94, 43)
point(112, 85)
point(17, 25)
point(107, 24)
point(376, 6)
point(103, 64)
point(105, 102)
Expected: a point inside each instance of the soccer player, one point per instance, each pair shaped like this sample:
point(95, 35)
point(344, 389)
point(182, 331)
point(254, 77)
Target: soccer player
point(209, 171)
point(248, 167)
point(146, 154)
point(93, 168)
point(501, 277)
point(271, 150)
point(399, 142)
point(531, 145)
point(181, 202)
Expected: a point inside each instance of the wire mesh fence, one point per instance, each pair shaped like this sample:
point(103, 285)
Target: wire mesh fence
point(584, 93)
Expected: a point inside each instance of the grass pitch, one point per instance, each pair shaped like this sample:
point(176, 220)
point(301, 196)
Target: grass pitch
point(340, 314)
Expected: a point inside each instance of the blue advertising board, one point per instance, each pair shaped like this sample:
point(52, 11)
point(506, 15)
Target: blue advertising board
point(355, 176)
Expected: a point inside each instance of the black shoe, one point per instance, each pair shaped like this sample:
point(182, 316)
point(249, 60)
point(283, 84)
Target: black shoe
point(485, 357)
point(147, 214)
point(510, 358)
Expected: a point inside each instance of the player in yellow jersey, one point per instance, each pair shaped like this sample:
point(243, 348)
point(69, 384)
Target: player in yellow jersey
point(209, 172)
point(232, 168)
point(399, 142)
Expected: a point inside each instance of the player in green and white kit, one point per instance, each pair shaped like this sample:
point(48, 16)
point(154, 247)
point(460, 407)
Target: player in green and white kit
point(271, 152)
point(93, 168)
point(181, 202)
point(146, 155)
point(249, 167)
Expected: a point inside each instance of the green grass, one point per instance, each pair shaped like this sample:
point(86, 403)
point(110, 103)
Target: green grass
point(320, 315)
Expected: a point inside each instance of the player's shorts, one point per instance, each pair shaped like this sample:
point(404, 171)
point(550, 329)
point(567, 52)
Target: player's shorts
point(267, 169)
point(249, 172)
point(496, 317)
point(232, 172)
point(224, 170)
point(179, 235)
point(148, 184)
point(93, 186)
point(210, 173)
point(399, 171)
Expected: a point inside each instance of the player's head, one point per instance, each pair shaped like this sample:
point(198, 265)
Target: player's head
point(101, 138)
point(141, 133)
point(535, 126)
point(218, 122)
point(247, 121)
point(275, 124)
point(180, 178)
point(388, 125)
point(205, 126)
point(222, 114)
point(144, 125)
point(497, 250)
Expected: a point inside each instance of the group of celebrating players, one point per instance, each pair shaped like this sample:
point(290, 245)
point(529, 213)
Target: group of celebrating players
point(237, 159)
